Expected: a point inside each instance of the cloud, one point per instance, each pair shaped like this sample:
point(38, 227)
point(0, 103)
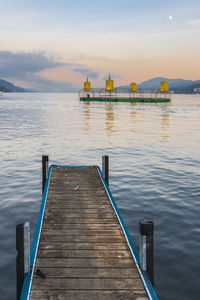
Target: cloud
point(112, 76)
point(22, 64)
point(26, 67)
point(88, 72)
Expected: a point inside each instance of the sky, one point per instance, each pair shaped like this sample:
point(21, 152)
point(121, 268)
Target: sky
point(55, 45)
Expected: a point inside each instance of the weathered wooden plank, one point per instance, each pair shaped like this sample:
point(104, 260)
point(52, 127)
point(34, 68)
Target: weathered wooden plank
point(78, 194)
point(77, 202)
point(72, 186)
point(84, 253)
point(66, 220)
point(132, 294)
point(84, 211)
point(68, 227)
point(84, 238)
point(80, 215)
point(86, 283)
point(122, 273)
point(80, 232)
point(84, 196)
point(86, 182)
point(77, 206)
point(51, 245)
point(75, 187)
point(84, 263)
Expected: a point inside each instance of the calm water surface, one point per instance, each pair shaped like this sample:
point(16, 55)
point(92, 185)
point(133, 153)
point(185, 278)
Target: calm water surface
point(154, 154)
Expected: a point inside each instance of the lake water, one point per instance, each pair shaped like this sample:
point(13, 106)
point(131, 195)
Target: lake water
point(154, 152)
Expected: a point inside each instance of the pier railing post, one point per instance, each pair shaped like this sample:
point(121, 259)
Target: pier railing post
point(105, 168)
point(146, 248)
point(45, 166)
point(23, 254)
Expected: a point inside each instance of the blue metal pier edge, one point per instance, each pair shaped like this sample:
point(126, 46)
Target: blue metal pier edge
point(26, 290)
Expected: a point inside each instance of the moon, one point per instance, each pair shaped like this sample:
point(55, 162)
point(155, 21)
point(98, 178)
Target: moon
point(170, 18)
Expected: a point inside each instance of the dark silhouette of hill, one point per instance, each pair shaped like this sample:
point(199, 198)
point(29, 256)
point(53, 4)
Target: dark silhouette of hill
point(6, 86)
point(179, 86)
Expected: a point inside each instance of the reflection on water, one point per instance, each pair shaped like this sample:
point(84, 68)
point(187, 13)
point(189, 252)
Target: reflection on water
point(165, 127)
point(154, 173)
point(133, 116)
point(132, 119)
point(110, 117)
point(86, 110)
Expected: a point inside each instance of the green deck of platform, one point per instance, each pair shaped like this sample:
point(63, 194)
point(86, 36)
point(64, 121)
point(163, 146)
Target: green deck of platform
point(132, 100)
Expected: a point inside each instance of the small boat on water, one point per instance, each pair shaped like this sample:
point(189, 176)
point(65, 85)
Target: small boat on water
point(131, 94)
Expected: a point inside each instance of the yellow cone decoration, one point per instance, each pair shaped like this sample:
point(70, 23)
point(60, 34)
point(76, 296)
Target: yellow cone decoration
point(133, 87)
point(164, 86)
point(109, 84)
point(87, 86)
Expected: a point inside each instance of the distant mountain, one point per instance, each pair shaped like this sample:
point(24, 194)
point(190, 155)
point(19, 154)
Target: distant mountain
point(6, 86)
point(173, 83)
point(177, 85)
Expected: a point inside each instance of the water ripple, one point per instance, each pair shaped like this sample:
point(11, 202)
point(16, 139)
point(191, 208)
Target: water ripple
point(154, 173)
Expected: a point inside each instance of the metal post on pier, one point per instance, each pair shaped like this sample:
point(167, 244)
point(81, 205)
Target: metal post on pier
point(23, 254)
point(105, 168)
point(146, 248)
point(45, 167)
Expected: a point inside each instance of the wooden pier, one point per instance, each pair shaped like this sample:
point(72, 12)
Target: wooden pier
point(81, 250)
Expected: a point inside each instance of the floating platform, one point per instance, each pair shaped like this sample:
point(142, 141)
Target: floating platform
point(124, 95)
point(81, 248)
point(132, 100)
